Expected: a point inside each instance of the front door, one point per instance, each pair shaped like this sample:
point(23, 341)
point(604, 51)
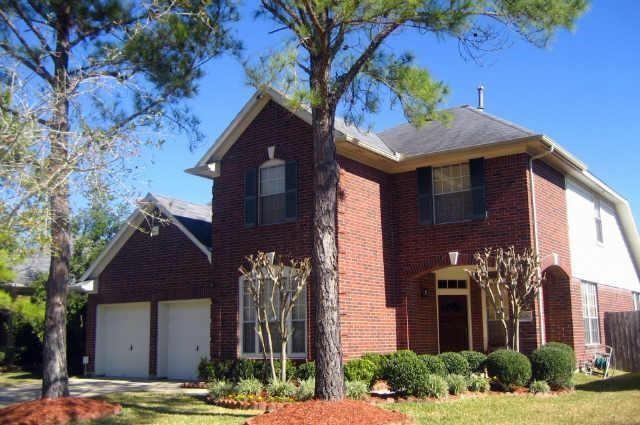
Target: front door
point(453, 323)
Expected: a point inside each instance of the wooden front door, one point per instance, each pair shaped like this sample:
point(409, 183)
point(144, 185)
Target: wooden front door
point(453, 323)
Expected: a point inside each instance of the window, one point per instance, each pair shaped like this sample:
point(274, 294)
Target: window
point(525, 315)
point(297, 322)
point(272, 194)
point(453, 199)
point(590, 313)
point(597, 213)
point(636, 301)
point(452, 284)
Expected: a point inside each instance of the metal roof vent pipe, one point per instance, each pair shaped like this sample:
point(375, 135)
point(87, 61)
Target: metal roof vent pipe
point(481, 97)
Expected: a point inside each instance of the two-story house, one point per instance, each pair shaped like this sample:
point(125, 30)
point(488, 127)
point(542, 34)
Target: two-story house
point(414, 206)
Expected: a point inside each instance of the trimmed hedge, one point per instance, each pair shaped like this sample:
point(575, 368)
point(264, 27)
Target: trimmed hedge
point(475, 360)
point(406, 373)
point(455, 363)
point(360, 370)
point(306, 371)
point(235, 370)
point(553, 364)
point(434, 364)
point(379, 360)
point(509, 368)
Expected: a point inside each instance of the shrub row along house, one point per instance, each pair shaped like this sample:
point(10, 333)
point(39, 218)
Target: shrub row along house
point(414, 205)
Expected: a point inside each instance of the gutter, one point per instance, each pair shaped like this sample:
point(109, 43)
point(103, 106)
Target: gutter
point(536, 242)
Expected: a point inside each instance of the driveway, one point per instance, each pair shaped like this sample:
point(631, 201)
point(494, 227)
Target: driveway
point(88, 387)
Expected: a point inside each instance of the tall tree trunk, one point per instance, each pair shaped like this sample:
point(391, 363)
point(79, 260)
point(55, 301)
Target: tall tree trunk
point(329, 373)
point(55, 379)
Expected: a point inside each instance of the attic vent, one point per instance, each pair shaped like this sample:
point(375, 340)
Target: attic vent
point(481, 97)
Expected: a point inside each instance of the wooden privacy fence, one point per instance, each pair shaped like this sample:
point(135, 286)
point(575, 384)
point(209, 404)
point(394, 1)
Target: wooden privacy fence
point(622, 332)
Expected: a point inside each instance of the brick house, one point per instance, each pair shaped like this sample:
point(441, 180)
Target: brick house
point(414, 205)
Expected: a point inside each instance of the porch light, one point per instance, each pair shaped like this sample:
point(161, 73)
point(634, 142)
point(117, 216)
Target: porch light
point(453, 257)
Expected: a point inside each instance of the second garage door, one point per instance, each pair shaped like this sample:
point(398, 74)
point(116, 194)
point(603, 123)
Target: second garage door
point(184, 329)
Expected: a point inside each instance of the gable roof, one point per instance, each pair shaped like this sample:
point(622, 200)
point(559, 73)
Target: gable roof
point(194, 220)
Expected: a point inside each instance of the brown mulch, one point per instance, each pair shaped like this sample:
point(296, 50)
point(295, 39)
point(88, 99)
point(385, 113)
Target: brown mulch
point(330, 413)
point(57, 411)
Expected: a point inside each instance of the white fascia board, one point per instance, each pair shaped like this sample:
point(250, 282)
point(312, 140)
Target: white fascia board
point(86, 286)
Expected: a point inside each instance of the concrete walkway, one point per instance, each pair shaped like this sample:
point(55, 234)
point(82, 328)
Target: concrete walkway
point(88, 387)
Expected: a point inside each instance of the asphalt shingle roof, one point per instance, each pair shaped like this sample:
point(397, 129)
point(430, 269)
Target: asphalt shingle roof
point(195, 217)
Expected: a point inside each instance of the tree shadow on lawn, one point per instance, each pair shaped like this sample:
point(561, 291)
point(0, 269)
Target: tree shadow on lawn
point(624, 382)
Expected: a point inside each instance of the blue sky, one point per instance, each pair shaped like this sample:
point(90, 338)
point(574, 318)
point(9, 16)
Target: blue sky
point(583, 91)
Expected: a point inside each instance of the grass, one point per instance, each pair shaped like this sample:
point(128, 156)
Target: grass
point(19, 377)
point(614, 401)
point(170, 409)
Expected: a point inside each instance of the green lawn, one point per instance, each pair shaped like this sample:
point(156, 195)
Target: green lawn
point(19, 377)
point(615, 401)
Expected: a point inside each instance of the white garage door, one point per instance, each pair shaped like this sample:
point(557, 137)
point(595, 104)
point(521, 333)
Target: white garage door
point(184, 329)
point(122, 340)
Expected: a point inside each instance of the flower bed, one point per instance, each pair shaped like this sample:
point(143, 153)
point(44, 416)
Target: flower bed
point(256, 403)
point(58, 411)
point(195, 385)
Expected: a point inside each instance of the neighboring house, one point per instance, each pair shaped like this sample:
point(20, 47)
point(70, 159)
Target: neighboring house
point(414, 206)
point(30, 269)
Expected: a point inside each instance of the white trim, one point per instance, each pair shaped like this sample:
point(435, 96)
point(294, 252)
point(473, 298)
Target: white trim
point(126, 231)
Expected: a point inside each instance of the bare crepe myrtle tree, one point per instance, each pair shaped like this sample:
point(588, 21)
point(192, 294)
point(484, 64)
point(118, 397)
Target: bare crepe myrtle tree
point(512, 281)
point(274, 289)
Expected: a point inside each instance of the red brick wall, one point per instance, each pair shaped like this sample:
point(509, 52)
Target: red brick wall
point(292, 137)
point(146, 269)
point(366, 260)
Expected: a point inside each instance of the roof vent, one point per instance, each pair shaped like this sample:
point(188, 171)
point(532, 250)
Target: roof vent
point(481, 97)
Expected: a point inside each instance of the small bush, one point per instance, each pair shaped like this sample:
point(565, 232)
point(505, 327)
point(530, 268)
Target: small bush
point(553, 364)
point(457, 384)
point(479, 384)
point(475, 360)
point(405, 372)
point(455, 363)
point(306, 371)
point(560, 346)
point(433, 386)
point(220, 389)
point(291, 369)
point(509, 368)
point(360, 370)
point(215, 370)
point(250, 386)
point(434, 364)
point(357, 390)
point(3, 356)
point(306, 389)
point(245, 369)
point(380, 361)
point(283, 389)
point(540, 387)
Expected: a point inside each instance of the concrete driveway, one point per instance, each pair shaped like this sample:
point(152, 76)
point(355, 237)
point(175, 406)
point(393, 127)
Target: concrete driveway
point(88, 387)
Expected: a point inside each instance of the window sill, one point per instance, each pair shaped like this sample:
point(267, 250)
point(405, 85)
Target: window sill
point(297, 356)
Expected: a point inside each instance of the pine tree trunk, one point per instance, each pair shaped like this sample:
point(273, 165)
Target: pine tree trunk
point(54, 360)
point(328, 349)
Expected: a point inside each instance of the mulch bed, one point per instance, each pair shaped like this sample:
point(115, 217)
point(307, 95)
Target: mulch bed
point(57, 411)
point(196, 385)
point(246, 404)
point(330, 413)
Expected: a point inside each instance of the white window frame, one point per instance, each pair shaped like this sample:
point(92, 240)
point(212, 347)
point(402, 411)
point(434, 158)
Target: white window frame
point(597, 218)
point(590, 312)
point(435, 193)
point(636, 300)
point(259, 355)
point(273, 163)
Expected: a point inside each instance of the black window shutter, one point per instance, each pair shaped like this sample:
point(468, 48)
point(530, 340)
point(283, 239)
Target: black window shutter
point(291, 189)
point(476, 169)
point(425, 195)
point(251, 197)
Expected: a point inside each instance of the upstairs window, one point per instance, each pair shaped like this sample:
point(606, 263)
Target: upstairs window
point(597, 214)
point(590, 313)
point(272, 194)
point(636, 301)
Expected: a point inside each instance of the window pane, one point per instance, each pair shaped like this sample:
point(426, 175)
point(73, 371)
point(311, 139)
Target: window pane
point(272, 208)
point(298, 337)
point(248, 338)
point(271, 180)
point(453, 207)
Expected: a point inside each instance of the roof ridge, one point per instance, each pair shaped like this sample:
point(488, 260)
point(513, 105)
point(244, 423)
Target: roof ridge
point(409, 124)
point(498, 119)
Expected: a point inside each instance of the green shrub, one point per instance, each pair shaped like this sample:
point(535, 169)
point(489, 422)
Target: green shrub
point(357, 390)
point(380, 361)
point(291, 369)
point(244, 369)
point(306, 371)
point(455, 363)
point(434, 364)
point(475, 360)
point(284, 389)
point(457, 384)
point(306, 389)
point(509, 368)
point(405, 372)
point(433, 386)
point(560, 346)
point(220, 389)
point(360, 370)
point(250, 386)
point(539, 387)
point(479, 384)
point(553, 364)
point(3, 356)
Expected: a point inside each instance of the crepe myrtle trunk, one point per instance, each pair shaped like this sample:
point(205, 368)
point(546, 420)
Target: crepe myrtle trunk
point(328, 349)
point(54, 360)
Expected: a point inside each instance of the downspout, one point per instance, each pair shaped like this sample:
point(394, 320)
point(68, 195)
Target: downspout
point(536, 242)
